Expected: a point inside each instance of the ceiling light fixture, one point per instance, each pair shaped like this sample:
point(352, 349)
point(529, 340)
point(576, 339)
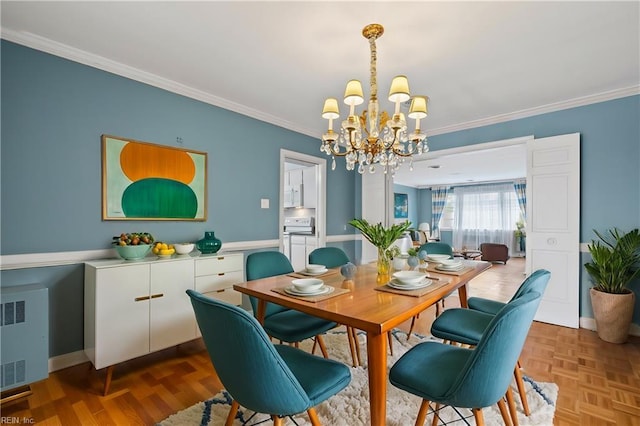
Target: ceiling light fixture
point(386, 141)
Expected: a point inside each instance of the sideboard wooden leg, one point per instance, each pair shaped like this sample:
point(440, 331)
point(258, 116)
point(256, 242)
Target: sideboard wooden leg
point(107, 380)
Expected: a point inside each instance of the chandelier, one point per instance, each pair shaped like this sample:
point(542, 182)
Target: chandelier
point(373, 137)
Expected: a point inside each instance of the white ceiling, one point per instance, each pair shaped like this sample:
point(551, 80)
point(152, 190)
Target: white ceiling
point(479, 62)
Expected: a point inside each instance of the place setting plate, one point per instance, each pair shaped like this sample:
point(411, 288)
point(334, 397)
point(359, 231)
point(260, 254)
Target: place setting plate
point(398, 285)
point(308, 287)
point(325, 289)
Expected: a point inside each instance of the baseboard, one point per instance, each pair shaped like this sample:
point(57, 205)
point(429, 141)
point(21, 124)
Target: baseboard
point(590, 324)
point(67, 360)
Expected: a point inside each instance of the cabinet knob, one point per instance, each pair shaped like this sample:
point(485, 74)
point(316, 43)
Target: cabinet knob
point(220, 274)
point(155, 296)
point(141, 298)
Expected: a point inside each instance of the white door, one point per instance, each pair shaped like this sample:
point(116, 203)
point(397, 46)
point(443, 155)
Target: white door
point(553, 224)
point(377, 206)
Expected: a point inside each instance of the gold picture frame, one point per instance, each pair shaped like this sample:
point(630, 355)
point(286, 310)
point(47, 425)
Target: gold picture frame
point(146, 181)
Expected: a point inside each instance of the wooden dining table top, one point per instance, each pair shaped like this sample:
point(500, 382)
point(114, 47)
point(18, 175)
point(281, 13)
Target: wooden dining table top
point(363, 306)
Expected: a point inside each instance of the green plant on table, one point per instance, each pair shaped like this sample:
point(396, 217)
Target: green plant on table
point(382, 238)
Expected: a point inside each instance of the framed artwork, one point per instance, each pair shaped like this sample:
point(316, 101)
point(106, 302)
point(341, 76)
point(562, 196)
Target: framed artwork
point(144, 181)
point(400, 206)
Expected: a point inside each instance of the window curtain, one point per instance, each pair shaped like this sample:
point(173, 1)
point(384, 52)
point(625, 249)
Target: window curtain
point(485, 214)
point(438, 200)
point(521, 192)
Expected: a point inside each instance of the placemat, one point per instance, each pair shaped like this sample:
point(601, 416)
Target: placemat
point(431, 267)
point(418, 292)
point(303, 274)
point(320, 297)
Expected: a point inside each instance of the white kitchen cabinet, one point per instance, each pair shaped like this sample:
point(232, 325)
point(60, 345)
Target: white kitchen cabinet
point(301, 246)
point(135, 308)
point(309, 188)
point(218, 273)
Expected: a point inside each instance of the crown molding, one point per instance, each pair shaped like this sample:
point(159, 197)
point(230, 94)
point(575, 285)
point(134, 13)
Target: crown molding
point(77, 55)
point(62, 50)
point(530, 112)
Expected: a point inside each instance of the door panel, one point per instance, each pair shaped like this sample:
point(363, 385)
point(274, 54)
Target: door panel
point(553, 224)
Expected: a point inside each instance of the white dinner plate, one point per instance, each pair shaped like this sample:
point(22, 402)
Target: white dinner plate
point(450, 268)
point(313, 274)
point(323, 290)
point(438, 257)
point(399, 286)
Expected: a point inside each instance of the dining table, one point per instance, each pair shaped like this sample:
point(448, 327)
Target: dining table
point(366, 302)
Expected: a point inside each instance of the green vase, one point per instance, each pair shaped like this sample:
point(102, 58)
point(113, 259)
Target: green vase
point(209, 244)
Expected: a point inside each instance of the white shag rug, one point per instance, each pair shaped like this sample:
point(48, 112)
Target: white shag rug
point(350, 407)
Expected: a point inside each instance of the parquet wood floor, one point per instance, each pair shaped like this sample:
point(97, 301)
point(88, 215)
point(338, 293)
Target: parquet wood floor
point(599, 382)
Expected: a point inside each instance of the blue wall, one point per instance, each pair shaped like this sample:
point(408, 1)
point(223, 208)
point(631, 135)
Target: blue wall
point(610, 166)
point(54, 111)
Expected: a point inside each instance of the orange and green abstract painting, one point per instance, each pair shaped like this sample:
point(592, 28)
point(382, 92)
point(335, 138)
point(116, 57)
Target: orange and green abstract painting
point(144, 181)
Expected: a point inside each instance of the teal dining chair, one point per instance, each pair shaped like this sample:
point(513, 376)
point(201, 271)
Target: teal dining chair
point(468, 378)
point(467, 326)
point(433, 248)
point(284, 324)
point(332, 257)
point(277, 380)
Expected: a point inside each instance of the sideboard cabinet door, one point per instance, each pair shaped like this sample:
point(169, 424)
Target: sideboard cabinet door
point(172, 318)
point(121, 314)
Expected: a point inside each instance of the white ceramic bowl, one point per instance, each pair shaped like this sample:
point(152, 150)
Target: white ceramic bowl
point(409, 277)
point(307, 285)
point(438, 257)
point(450, 262)
point(184, 248)
point(315, 268)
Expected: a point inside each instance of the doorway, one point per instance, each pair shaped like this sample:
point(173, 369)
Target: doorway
point(302, 195)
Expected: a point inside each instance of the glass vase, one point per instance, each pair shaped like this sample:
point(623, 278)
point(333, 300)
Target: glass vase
point(384, 265)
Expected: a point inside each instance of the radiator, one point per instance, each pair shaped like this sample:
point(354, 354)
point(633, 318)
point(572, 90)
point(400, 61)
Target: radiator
point(24, 330)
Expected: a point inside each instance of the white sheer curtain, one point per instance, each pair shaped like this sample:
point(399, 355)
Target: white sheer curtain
point(485, 214)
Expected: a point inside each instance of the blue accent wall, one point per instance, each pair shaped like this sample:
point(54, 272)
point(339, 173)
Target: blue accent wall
point(610, 166)
point(54, 112)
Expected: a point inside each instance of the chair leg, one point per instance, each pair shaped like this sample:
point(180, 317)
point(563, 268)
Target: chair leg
point(315, 345)
point(413, 322)
point(313, 416)
point(477, 414)
point(503, 412)
point(323, 348)
point(434, 421)
point(232, 413)
point(277, 420)
point(357, 346)
point(390, 339)
point(512, 407)
point(422, 413)
point(521, 390)
point(352, 346)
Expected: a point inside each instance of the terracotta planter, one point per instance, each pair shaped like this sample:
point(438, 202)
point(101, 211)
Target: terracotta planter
point(613, 314)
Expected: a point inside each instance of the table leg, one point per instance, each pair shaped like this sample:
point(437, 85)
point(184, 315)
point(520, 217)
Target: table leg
point(377, 363)
point(462, 294)
point(262, 307)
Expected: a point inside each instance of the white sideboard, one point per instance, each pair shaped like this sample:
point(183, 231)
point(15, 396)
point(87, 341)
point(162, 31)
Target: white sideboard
point(133, 308)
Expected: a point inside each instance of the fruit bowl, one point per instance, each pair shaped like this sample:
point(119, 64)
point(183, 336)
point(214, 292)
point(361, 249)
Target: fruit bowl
point(184, 248)
point(133, 252)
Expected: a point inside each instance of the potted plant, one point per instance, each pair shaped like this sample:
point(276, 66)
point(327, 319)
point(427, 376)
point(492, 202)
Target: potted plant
point(382, 238)
point(615, 262)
